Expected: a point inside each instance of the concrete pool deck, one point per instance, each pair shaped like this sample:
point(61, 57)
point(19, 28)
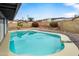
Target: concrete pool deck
point(69, 50)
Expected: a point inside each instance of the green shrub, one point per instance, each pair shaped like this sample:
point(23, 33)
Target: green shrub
point(19, 25)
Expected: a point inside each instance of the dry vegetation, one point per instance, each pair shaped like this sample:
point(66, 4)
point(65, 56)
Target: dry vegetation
point(70, 26)
point(67, 25)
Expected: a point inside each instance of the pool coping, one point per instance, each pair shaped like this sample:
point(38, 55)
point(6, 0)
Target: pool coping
point(73, 50)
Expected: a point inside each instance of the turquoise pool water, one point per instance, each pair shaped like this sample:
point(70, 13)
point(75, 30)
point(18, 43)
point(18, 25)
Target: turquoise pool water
point(34, 43)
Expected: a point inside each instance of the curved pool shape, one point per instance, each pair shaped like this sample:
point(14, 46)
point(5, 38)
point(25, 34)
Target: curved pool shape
point(35, 43)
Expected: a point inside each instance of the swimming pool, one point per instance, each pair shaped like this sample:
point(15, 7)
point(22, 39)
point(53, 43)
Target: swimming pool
point(35, 43)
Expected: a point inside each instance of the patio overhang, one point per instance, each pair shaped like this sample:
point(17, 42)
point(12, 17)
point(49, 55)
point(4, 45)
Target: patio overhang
point(9, 10)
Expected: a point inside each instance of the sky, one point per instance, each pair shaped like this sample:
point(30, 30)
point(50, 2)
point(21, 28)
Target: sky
point(47, 10)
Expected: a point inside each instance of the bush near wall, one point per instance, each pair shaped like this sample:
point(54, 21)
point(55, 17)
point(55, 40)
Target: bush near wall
point(35, 24)
point(53, 24)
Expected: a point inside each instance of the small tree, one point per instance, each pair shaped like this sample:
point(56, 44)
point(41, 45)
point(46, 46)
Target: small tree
point(30, 19)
